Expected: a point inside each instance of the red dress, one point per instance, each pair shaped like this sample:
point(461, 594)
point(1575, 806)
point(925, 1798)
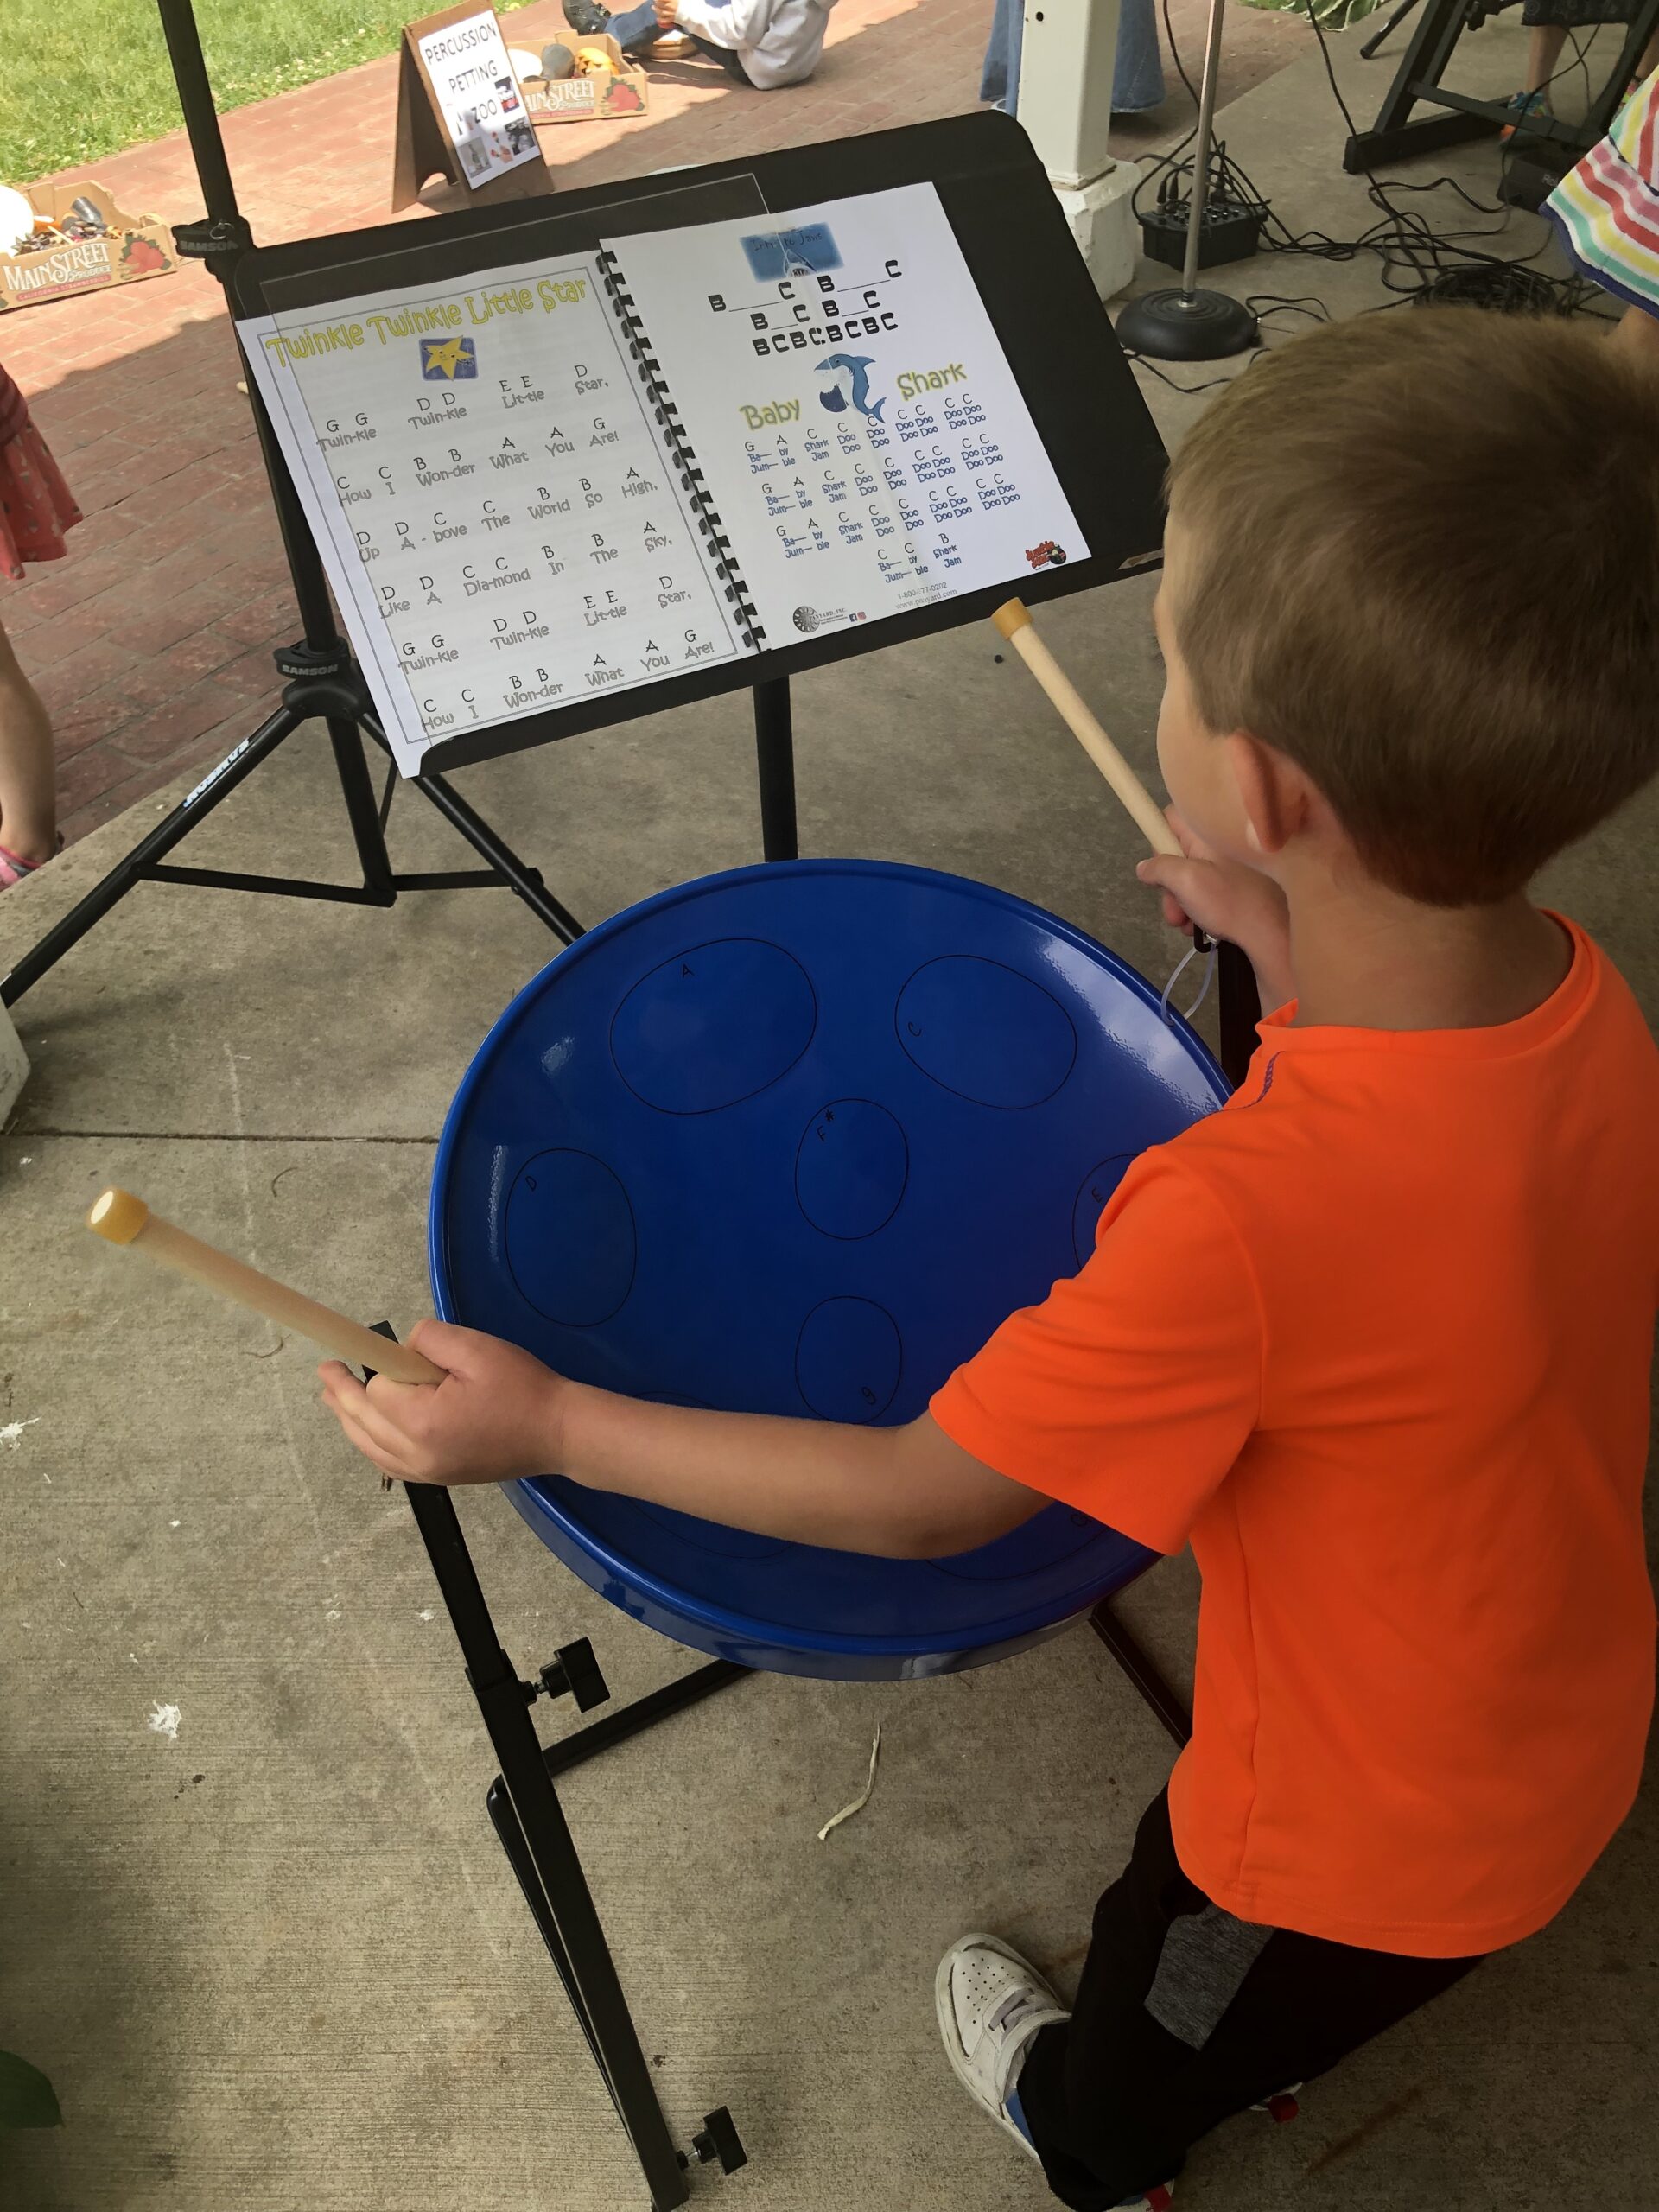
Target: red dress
point(36, 506)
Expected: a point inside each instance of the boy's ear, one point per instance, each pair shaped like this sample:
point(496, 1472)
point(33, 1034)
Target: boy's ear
point(1274, 793)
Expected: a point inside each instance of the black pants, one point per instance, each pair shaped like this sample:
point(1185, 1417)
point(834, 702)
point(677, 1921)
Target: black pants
point(1186, 2015)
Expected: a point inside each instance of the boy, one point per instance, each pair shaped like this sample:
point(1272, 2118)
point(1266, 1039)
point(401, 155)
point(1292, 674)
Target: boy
point(1376, 1337)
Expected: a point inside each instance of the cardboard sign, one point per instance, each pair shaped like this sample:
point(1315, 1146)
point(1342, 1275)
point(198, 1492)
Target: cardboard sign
point(610, 95)
point(460, 113)
point(81, 241)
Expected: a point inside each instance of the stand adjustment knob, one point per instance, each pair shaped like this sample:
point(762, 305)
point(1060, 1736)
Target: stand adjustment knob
point(574, 1670)
point(717, 2140)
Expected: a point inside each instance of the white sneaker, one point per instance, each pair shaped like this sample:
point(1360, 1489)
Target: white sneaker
point(990, 2004)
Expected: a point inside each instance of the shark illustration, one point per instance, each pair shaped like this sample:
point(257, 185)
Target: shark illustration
point(846, 379)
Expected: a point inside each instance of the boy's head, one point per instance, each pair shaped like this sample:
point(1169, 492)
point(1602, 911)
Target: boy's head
point(1413, 581)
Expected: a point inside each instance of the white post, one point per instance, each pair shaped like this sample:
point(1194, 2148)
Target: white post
point(1065, 107)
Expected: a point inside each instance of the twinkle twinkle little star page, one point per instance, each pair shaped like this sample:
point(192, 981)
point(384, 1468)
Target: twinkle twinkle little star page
point(860, 431)
point(505, 530)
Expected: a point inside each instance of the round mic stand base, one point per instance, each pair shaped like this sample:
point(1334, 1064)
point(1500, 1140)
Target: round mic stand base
point(1189, 324)
point(1177, 325)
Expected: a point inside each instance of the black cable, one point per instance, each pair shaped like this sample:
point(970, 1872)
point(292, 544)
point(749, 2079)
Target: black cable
point(1209, 384)
point(1330, 71)
point(1263, 305)
point(1450, 184)
point(1175, 56)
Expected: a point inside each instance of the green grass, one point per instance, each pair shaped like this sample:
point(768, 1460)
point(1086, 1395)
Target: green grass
point(83, 78)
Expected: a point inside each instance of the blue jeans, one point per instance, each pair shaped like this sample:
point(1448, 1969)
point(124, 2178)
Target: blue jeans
point(1138, 79)
point(634, 28)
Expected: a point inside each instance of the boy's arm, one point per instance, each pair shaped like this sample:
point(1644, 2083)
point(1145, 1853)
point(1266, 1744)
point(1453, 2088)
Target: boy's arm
point(902, 1493)
point(732, 23)
point(1239, 904)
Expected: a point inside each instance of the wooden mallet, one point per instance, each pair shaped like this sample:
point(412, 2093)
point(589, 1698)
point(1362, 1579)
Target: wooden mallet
point(122, 1219)
point(1014, 623)
point(1012, 619)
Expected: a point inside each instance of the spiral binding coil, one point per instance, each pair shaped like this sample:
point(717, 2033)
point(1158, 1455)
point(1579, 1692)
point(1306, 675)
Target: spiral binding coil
point(692, 480)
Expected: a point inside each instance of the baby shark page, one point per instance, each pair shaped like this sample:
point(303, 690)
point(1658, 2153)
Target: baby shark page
point(504, 528)
point(858, 429)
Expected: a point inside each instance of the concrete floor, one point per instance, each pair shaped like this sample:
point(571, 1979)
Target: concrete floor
point(278, 1962)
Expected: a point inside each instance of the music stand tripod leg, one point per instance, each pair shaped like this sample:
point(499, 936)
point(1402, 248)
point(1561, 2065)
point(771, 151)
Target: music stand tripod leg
point(218, 784)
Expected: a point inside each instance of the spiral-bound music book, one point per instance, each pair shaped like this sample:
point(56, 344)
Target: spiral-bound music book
point(588, 473)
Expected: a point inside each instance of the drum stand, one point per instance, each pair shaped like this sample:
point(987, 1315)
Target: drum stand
point(529, 1821)
point(525, 1807)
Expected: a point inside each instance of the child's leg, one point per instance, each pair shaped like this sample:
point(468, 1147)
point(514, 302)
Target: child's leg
point(27, 822)
point(727, 58)
point(1543, 53)
point(633, 28)
point(1186, 2015)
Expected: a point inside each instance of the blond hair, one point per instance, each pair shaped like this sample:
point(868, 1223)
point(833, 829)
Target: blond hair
point(1423, 561)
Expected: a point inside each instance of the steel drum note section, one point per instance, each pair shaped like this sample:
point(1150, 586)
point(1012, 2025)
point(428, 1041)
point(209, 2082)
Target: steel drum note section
point(744, 1147)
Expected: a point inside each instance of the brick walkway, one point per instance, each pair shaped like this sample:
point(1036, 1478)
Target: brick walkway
point(151, 644)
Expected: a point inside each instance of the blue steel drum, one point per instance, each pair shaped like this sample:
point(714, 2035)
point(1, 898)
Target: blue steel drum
point(794, 1140)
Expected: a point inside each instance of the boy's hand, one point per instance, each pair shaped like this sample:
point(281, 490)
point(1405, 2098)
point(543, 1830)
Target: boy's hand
point(496, 1414)
point(667, 14)
point(1228, 899)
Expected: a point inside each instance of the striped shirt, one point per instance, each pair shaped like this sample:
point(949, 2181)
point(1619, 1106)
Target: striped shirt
point(1607, 209)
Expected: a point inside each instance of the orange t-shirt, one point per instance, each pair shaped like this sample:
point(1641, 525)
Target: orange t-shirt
point(1375, 1338)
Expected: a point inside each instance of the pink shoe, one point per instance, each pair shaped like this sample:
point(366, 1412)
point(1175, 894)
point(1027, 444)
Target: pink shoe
point(14, 867)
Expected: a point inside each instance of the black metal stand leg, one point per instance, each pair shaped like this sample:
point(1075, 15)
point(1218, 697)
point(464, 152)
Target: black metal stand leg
point(143, 857)
point(478, 833)
point(1141, 1671)
point(511, 1836)
point(584, 1744)
point(357, 787)
point(544, 1855)
point(1238, 1009)
point(774, 753)
point(1438, 29)
point(1393, 24)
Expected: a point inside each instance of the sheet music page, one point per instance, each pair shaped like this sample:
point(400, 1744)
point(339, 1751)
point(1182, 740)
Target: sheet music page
point(857, 424)
point(502, 524)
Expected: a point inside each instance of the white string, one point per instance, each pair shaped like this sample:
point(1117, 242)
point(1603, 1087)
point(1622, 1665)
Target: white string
point(863, 1796)
point(1186, 962)
point(1203, 988)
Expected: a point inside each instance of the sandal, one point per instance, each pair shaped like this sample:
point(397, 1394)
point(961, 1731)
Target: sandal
point(14, 867)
